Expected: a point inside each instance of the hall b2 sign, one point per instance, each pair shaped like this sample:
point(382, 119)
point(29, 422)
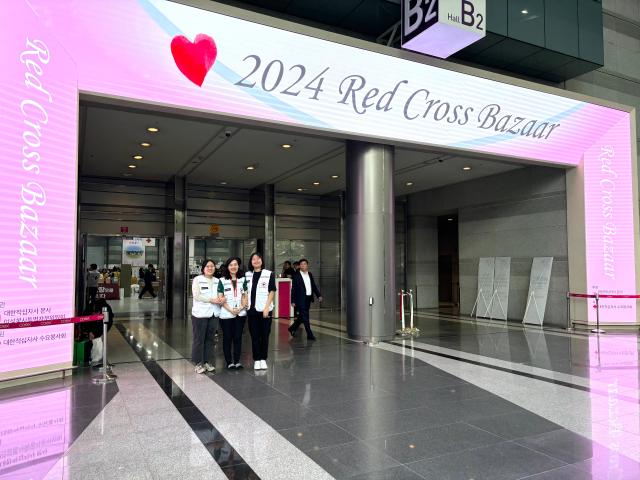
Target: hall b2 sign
point(442, 27)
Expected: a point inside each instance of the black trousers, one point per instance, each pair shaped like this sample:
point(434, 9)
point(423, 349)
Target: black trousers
point(148, 287)
point(303, 317)
point(232, 329)
point(260, 329)
point(204, 330)
point(91, 295)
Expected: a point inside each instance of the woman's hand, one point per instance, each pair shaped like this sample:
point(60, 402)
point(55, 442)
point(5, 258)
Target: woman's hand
point(265, 313)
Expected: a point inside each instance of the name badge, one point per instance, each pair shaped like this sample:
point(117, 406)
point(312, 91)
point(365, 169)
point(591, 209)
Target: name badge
point(204, 288)
point(227, 289)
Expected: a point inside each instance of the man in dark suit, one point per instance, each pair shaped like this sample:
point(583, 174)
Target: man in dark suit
point(303, 289)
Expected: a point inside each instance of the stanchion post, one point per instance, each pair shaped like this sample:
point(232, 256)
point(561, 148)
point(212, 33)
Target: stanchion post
point(569, 324)
point(371, 320)
point(107, 376)
point(411, 308)
point(597, 330)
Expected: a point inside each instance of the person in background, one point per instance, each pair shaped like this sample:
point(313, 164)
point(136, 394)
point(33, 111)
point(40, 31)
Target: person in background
point(261, 285)
point(149, 277)
point(233, 290)
point(304, 288)
point(296, 266)
point(287, 270)
point(204, 316)
point(94, 330)
point(93, 276)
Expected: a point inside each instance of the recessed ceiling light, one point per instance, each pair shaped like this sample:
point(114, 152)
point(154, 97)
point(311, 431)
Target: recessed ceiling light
point(223, 183)
point(450, 219)
point(137, 157)
point(408, 184)
point(145, 144)
point(334, 176)
point(302, 189)
point(525, 12)
point(133, 166)
point(127, 174)
point(285, 145)
point(251, 167)
point(153, 129)
point(316, 183)
point(466, 169)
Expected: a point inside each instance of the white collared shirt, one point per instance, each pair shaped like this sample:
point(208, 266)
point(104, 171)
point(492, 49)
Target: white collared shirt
point(307, 282)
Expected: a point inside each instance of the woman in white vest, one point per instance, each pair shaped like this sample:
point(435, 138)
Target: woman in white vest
point(233, 290)
point(204, 315)
point(261, 286)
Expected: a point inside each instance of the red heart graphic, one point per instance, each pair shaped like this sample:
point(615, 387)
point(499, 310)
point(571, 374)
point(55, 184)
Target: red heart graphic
point(194, 59)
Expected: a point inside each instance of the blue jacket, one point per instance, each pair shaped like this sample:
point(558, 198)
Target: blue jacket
point(299, 292)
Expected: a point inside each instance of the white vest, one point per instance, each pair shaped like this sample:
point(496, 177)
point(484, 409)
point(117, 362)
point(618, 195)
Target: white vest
point(233, 298)
point(208, 289)
point(262, 290)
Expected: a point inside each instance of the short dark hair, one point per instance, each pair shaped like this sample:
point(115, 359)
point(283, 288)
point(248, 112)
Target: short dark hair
point(204, 264)
point(303, 260)
point(93, 266)
point(151, 265)
point(226, 273)
point(255, 254)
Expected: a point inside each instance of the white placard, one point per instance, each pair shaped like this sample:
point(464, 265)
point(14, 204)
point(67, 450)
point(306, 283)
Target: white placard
point(500, 299)
point(133, 251)
point(442, 27)
point(485, 286)
point(538, 290)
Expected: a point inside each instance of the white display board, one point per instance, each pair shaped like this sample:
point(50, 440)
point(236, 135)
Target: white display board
point(485, 286)
point(538, 290)
point(133, 252)
point(500, 298)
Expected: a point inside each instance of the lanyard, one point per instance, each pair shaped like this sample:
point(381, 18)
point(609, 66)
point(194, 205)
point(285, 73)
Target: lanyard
point(235, 289)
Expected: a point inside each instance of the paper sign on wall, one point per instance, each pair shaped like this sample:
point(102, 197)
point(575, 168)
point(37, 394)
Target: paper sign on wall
point(538, 290)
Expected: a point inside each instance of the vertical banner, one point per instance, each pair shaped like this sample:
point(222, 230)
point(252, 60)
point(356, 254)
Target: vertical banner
point(610, 230)
point(538, 290)
point(500, 302)
point(486, 268)
point(133, 252)
point(38, 154)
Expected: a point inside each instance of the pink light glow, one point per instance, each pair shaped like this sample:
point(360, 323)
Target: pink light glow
point(615, 414)
point(610, 245)
point(38, 150)
point(34, 434)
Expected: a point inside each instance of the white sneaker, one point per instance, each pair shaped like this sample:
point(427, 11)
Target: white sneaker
point(263, 364)
point(200, 368)
point(208, 367)
point(239, 366)
point(257, 365)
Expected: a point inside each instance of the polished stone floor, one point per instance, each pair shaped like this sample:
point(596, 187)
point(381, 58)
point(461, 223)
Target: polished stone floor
point(465, 400)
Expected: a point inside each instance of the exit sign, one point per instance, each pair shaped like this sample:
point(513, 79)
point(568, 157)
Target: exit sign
point(442, 27)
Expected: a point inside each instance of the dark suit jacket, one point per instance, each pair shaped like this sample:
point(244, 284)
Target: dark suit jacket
point(299, 292)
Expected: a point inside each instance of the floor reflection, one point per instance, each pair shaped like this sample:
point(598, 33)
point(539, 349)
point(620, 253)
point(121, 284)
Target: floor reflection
point(34, 434)
point(613, 361)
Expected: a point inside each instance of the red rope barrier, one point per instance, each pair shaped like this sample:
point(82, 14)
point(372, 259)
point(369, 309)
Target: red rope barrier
point(58, 321)
point(602, 295)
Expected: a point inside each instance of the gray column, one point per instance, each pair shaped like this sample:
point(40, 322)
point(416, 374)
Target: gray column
point(269, 253)
point(370, 239)
point(177, 249)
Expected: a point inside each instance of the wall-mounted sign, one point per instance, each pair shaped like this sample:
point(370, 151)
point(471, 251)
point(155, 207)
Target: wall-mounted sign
point(124, 229)
point(214, 229)
point(442, 27)
point(133, 252)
